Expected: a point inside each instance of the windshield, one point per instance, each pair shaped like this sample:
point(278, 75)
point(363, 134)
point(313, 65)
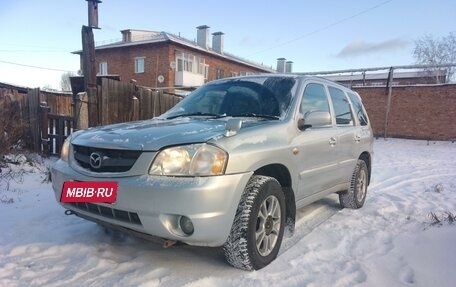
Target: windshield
point(267, 97)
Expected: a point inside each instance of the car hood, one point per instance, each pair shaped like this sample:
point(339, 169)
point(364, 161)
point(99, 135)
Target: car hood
point(152, 135)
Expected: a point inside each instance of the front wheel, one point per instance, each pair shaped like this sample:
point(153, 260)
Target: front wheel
point(355, 196)
point(257, 231)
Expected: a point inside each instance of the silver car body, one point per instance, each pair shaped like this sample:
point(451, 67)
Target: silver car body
point(315, 162)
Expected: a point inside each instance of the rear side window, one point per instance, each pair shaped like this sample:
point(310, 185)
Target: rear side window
point(314, 99)
point(341, 107)
point(358, 107)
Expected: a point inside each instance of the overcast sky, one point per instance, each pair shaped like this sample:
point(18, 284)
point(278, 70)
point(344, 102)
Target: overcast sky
point(316, 35)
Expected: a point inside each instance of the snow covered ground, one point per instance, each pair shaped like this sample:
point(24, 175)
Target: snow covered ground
point(391, 241)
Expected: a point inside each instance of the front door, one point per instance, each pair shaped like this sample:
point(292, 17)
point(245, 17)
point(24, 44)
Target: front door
point(316, 161)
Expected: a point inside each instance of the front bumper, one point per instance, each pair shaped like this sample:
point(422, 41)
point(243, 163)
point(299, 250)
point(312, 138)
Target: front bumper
point(159, 201)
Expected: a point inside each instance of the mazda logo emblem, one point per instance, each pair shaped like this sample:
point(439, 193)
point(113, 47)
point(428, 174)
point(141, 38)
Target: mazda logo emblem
point(95, 160)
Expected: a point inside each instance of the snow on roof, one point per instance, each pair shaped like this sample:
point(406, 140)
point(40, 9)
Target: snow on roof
point(384, 76)
point(13, 87)
point(159, 37)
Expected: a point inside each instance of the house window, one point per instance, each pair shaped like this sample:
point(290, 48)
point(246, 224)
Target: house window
point(219, 74)
point(200, 66)
point(245, 73)
point(103, 68)
point(190, 63)
point(139, 65)
point(180, 65)
point(206, 71)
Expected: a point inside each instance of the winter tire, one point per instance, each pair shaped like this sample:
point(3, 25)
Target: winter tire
point(355, 196)
point(257, 231)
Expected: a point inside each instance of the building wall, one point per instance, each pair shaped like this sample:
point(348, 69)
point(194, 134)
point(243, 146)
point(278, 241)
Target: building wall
point(419, 112)
point(215, 62)
point(121, 61)
point(158, 57)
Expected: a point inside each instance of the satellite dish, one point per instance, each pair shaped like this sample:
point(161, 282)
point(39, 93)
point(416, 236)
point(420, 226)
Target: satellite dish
point(161, 79)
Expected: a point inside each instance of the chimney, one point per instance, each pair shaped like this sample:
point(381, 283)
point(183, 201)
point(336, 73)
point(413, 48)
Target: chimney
point(202, 36)
point(217, 42)
point(289, 67)
point(126, 35)
point(281, 65)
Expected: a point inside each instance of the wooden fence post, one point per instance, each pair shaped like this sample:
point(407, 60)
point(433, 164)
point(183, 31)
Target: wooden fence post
point(389, 86)
point(82, 111)
point(44, 111)
point(135, 109)
point(33, 103)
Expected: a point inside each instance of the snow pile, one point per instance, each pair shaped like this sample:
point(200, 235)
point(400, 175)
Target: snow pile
point(392, 241)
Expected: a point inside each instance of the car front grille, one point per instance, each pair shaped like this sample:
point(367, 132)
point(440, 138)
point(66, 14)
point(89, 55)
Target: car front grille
point(111, 160)
point(121, 215)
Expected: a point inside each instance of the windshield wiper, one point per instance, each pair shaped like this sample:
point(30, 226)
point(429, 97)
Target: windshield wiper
point(253, 115)
point(216, 116)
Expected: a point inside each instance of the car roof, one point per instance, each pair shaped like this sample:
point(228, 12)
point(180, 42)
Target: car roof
point(296, 76)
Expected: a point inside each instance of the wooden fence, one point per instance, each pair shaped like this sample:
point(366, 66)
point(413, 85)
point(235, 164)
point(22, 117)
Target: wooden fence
point(123, 102)
point(117, 102)
point(20, 112)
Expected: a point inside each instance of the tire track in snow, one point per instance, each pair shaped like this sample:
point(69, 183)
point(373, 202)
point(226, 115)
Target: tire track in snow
point(308, 218)
point(397, 181)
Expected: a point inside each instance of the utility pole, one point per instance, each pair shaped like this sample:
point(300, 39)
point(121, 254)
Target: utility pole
point(389, 91)
point(88, 62)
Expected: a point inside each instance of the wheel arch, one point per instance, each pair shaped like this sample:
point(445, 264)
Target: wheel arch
point(367, 158)
point(283, 176)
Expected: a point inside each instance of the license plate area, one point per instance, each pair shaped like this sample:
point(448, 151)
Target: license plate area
point(89, 191)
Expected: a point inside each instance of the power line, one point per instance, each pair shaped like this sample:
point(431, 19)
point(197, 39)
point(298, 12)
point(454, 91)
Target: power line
point(324, 27)
point(34, 51)
point(35, 67)
point(34, 46)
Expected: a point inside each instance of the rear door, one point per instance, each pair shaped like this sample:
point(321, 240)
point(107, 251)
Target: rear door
point(345, 134)
point(363, 132)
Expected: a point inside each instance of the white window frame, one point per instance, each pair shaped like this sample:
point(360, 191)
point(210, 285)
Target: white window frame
point(186, 62)
point(140, 64)
point(206, 71)
point(103, 68)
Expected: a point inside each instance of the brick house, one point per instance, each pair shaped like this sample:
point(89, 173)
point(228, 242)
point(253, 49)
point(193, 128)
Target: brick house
point(161, 59)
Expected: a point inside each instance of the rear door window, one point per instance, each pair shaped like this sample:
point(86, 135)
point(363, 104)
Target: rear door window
point(358, 109)
point(341, 106)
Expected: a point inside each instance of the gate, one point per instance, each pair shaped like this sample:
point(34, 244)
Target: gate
point(55, 129)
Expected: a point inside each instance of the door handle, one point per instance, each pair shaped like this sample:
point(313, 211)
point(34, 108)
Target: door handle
point(332, 141)
point(357, 138)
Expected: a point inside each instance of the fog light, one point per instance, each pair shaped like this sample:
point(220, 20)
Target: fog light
point(186, 225)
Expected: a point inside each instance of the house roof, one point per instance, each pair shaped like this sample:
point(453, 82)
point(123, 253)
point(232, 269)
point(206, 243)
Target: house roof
point(160, 37)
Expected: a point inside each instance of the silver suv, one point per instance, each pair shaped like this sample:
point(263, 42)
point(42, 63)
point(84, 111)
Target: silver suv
point(228, 165)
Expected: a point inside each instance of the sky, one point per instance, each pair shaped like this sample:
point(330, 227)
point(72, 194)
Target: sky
point(38, 36)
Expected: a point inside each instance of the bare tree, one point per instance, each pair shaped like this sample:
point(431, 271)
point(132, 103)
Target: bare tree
point(436, 51)
point(65, 84)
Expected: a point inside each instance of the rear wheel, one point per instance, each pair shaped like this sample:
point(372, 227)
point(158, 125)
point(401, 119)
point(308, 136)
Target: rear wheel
point(355, 196)
point(257, 231)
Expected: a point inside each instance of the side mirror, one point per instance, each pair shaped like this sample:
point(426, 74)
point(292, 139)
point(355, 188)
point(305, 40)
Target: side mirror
point(315, 120)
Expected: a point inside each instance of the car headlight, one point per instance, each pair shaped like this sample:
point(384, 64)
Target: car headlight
point(190, 160)
point(65, 151)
